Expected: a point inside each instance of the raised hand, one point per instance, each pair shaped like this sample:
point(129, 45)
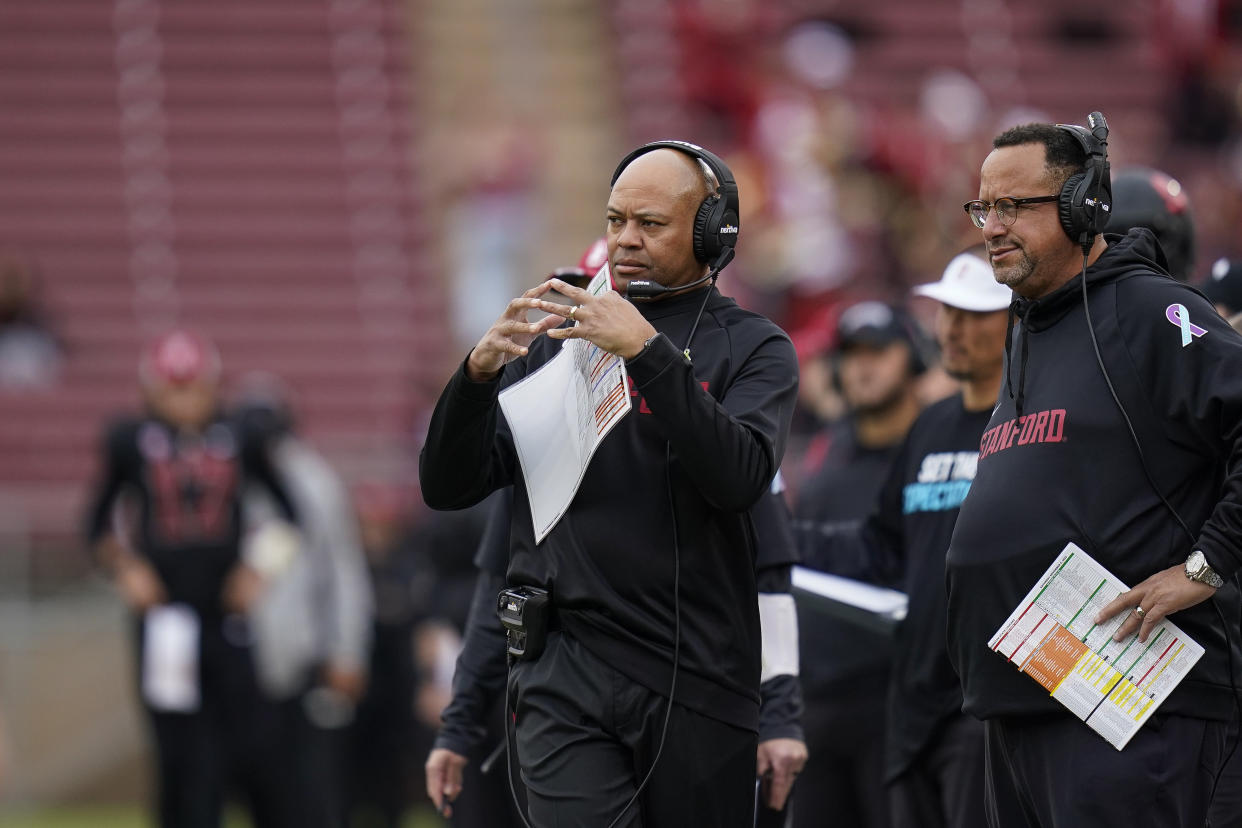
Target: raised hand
point(607, 320)
point(510, 336)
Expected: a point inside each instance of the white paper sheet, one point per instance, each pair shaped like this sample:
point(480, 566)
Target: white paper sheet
point(170, 659)
point(558, 417)
point(886, 603)
point(1113, 686)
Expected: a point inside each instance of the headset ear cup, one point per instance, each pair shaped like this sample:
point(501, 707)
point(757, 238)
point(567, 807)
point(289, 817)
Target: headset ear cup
point(1069, 208)
point(707, 231)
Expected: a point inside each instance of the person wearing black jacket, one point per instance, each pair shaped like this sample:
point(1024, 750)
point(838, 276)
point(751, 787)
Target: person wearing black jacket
point(845, 674)
point(1059, 462)
point(480, 675)
point(933, 754)
point(652, 567)
point(185, 466)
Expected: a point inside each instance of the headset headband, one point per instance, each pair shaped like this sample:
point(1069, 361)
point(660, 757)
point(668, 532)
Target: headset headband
point(1086, 140)
point(724, 177)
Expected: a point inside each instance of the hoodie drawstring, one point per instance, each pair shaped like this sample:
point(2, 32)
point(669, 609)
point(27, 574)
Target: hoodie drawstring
point(1008, 344)
point(1021, 397)
point(1018, 403)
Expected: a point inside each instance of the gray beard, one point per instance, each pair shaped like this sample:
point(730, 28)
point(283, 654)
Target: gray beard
point(1017, 274)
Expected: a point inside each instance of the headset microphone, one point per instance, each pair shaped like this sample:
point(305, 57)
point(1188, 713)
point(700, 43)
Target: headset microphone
point(647, 289)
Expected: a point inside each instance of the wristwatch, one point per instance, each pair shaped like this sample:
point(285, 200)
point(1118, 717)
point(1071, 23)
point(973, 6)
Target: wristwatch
point(1197, 569)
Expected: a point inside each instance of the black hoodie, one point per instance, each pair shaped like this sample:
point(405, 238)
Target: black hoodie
point(1057, 463)
point(722, 420)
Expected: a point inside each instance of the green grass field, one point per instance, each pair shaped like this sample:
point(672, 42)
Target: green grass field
point(133, 817)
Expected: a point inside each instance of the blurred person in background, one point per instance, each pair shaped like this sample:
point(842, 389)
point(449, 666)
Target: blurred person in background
point(1143, 197)
point(312, 625)
point(1223, 287)
point(380, 753)
point(177, 475)
point(933, 766)
point(819, 404)
point(589, 263)
point(845, 669)
point(30, 354)
point(421, 574)
point(473, 721)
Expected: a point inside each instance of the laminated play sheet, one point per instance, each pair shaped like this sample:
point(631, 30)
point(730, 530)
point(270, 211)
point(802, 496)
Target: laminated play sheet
point(1113, 686)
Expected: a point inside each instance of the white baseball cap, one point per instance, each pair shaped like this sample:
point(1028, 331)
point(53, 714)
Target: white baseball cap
point(968, 283)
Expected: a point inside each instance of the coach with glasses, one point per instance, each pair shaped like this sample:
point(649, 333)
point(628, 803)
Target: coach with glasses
point(1119, 428)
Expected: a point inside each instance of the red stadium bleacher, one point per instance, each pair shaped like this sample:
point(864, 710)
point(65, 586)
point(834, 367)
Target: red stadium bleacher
point(242, 168)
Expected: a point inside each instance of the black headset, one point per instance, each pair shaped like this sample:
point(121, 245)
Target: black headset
point(1086, 199)
point(716, 223)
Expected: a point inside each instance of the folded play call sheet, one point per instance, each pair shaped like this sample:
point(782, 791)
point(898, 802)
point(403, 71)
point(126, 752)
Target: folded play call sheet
point(560, 414)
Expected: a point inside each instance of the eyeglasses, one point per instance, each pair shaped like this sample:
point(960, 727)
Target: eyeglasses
point(1006, 209)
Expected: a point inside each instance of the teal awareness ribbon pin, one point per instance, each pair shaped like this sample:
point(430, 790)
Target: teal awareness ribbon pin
point(1179, 316)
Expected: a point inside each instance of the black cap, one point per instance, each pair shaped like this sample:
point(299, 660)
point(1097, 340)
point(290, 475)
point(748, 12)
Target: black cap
point(1223, 285)
point(870, 323)
point(878, 324)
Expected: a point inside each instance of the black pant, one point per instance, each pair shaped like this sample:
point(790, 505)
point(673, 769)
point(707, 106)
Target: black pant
point(587, 735)
point(1226, 810)
point(386, 743)
point(1046, 771)
point(486, 800)
point(843, 781)
point(943, 788)
point(231, 743)
point(313, 746)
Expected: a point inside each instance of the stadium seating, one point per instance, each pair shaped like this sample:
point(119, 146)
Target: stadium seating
point(242, 168)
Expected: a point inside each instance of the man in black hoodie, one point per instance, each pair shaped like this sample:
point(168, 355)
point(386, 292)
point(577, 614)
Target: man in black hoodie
point(1060, 461)
point(664, 500)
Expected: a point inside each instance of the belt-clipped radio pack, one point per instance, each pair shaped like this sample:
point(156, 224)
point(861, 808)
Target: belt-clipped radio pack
point(524, 613)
